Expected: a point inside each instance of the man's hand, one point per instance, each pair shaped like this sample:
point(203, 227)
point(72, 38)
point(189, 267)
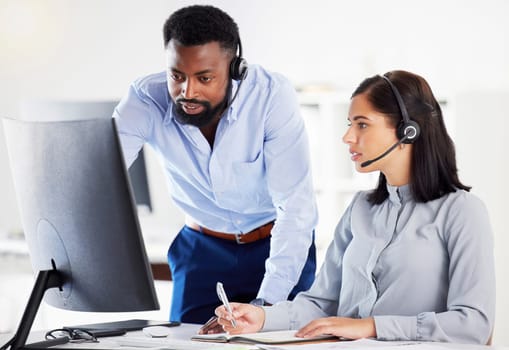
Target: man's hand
point(211, 327)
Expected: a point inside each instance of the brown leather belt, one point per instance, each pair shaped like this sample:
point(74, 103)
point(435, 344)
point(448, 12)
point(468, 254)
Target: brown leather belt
point(241, 238)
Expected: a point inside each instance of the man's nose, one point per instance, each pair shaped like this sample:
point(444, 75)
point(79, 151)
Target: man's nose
point(188, 89)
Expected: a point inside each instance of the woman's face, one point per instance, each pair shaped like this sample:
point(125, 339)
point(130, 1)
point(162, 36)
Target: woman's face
point(369, 135)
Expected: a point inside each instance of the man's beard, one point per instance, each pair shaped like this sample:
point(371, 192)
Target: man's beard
point(200, 119)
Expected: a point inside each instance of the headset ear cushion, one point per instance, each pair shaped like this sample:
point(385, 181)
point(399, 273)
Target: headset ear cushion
point(238, 68)
point(410, 129)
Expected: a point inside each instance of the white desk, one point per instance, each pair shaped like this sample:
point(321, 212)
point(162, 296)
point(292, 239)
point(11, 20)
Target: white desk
point(179, 339)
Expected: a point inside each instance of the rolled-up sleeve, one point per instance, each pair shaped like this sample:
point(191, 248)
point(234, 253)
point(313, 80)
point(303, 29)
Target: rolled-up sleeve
point(288, 171)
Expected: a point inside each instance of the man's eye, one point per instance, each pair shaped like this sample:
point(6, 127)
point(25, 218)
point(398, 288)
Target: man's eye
point(176, 77)
point(205, 79)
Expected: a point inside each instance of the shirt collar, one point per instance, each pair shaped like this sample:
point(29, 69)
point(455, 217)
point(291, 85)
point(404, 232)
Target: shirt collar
point(399, 194)
point(230, 114)
point(168, 116)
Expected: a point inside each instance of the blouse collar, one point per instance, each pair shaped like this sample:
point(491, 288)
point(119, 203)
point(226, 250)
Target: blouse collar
point(399, 194)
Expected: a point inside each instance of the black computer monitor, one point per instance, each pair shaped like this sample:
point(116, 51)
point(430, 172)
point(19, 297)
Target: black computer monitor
point(59, 110)
point(79, 218)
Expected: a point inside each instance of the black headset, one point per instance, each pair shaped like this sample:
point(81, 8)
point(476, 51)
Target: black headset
point(238, 66)
point(238, 71)
point(408, 131)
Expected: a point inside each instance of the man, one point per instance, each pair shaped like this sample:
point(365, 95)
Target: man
point(233, 145)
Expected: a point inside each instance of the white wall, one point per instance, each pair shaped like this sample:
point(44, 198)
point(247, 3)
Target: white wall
point(482, 158)
point(92, 49)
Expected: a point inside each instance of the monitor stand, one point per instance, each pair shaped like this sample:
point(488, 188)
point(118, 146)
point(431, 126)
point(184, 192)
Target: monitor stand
point(45, 280)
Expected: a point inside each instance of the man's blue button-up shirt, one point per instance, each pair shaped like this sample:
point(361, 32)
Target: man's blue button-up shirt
point(258, 169)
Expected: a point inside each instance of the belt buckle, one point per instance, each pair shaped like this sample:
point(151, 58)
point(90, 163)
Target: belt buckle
point(238, 239)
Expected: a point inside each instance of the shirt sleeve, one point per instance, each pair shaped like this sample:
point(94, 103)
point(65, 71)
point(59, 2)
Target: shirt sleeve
point(322, 299)
point(133, 120)
point(288, 173)
point(471, 294)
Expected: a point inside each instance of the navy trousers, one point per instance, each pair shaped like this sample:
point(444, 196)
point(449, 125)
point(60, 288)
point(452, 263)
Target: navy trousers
point(198, 261)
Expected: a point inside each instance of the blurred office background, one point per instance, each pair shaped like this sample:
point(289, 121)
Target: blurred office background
point(90, 50)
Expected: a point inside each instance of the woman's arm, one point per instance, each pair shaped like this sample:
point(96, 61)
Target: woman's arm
point(470, 303)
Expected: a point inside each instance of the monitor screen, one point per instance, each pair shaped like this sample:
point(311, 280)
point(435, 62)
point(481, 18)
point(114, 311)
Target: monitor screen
point(78, 214)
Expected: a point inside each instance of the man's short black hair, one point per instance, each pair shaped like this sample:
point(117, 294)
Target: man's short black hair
point(201, 24)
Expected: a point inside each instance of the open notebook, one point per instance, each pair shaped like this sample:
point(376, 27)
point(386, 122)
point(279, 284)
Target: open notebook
point(275, 337)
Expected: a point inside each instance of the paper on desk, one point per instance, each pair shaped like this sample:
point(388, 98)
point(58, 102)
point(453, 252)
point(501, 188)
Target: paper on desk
point(167, 343)
point(365, 344)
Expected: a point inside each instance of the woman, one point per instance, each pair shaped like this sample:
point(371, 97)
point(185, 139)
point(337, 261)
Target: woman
point(411, 259)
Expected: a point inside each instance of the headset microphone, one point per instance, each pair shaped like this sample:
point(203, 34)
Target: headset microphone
point(408, 130)
point(238, 71)
point(389, 150)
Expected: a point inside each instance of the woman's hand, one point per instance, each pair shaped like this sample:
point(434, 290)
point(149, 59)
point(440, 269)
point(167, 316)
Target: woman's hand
point(248, 318)
point(349, 328)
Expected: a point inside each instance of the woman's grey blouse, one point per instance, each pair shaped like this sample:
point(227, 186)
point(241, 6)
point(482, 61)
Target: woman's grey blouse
point(424, 271)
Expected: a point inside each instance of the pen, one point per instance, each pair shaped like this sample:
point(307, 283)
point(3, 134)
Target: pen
point(222, 296)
